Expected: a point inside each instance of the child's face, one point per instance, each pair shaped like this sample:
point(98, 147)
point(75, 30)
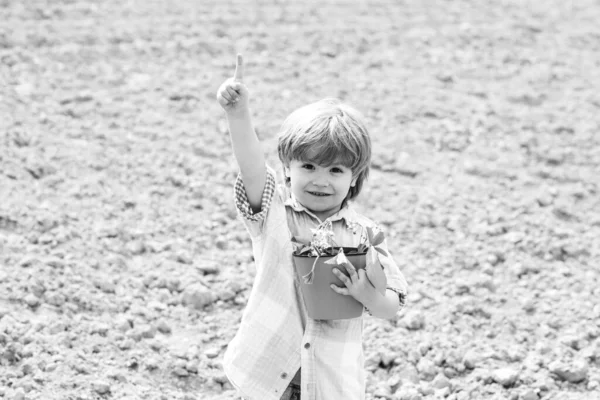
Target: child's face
point(320, 189)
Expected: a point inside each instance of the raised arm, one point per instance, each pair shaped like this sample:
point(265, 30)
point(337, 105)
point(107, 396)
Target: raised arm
point(233, 96)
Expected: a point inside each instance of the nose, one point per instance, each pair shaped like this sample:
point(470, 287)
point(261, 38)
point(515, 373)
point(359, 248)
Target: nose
point(320, 180)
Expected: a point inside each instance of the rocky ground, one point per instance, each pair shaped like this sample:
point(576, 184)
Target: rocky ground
point(124, 272)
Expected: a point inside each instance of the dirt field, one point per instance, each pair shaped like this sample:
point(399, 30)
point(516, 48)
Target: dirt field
point(123, 269)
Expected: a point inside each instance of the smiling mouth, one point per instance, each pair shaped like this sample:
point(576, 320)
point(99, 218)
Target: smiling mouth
point(319, 194)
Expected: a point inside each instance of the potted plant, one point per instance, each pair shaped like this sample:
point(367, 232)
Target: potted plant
point(314, 261)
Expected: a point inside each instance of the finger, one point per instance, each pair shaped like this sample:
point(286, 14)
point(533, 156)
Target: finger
point(340, 290)
point(237, 86)
point(232, 92)
point(340, 275)
point(239, 68)
point(226, 97)
point(351, 270)
point(362, 274)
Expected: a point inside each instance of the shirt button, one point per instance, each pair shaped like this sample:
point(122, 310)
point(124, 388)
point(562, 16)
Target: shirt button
point(307, 345)
point(283, 376)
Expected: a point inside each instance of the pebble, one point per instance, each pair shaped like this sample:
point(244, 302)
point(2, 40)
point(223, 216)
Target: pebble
point(427, 369)
point(414, 320)
point(192, 367)
point(101, 387)
point(135, 247)
point(18, 394)
point(471, 359)
point(31, 300)
point(99, 328)
point(212, 352)
point(505, 376)
point(440, 382)
point(575, 372)
point(409, 373)
point(147, 331)
point(408, 393)
point(180, 372)
point(28, 261)
point(197, 296)
point(122, 324)
point(152, 363)
point(105, 285)
point(163, 327)
point(528, 394)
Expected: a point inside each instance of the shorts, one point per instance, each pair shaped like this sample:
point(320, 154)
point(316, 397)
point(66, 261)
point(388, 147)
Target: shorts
point(292, 392)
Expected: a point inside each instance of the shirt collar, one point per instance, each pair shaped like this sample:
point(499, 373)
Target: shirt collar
point(346, 212)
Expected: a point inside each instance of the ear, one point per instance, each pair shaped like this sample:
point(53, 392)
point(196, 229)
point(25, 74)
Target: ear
point(286, 172)
point(353, 183)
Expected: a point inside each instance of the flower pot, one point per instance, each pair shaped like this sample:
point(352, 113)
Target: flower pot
point(321, 301)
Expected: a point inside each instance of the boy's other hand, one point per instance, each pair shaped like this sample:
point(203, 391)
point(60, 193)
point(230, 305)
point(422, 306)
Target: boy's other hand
point(233, 94)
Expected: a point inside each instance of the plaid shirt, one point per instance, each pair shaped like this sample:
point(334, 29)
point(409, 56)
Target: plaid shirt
point(276, 337)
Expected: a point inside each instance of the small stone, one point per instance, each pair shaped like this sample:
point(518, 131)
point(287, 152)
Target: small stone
point(105, 285)
point(99, 328)
point(31, 300)
point(212, 353)
point(147, 331)
point(198, 297)
point(221, 243)
point(126, 344)
point(135, 247)
point(174, 285)
point(183, 257)
point(163, 327)
point(515, 237)
point(471, 359)
point(505, 376)
point(427, 369)
point(408, 393)
point(208, 267)
point(101, 387)
point(528, 394)
point(180, 372)
point(152, 363)
point(574, 373)
point(28, 261)
point(441, 382)
point(192, 367)
point(122, 324)
point(414, 320)
point(55, 298)
point(572, 341)
point(409, 374)
point(19, 394)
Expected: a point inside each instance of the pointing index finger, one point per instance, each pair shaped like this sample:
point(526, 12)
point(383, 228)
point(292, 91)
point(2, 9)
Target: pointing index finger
point(239, 68)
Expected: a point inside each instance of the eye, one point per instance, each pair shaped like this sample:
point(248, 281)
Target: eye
point(337, 170)
point(308, 166)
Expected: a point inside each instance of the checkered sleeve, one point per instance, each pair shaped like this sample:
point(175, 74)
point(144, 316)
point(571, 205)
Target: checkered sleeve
point(243, 205)
point(394, 277)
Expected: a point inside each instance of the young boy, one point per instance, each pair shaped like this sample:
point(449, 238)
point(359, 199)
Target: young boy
point(278, 351)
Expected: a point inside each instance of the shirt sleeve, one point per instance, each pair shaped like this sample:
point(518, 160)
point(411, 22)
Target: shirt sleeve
point(395, 279)
point(252, 220)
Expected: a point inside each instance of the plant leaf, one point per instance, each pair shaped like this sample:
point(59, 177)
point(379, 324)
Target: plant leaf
point(304, 250)
point(382, 251)
point(374, 272)
point(378, 239)
point(370, 234)
point(339, 259)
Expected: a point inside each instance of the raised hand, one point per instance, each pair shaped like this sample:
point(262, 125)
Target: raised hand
point(233, 95)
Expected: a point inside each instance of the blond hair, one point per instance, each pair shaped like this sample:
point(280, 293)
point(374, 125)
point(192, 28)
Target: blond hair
point(336, 131)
